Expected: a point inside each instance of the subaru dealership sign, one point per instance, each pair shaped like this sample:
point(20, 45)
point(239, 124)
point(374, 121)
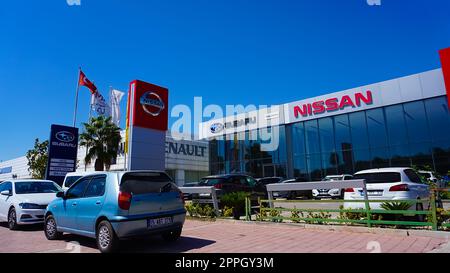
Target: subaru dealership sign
point(62, 153)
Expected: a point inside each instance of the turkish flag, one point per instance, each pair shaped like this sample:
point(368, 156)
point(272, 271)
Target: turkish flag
point(84, 81)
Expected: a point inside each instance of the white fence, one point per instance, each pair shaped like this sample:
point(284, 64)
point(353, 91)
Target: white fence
point(204, 190)
point(301, 186)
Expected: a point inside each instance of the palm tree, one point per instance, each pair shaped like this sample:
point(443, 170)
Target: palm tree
point(101, 138)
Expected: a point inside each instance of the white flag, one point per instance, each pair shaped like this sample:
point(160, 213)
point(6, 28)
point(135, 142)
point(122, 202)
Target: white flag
point(99, 105)
point(115, 97)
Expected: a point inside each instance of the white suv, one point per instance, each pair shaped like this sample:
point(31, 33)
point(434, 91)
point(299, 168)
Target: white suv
point(394, 184)
point(331, 193)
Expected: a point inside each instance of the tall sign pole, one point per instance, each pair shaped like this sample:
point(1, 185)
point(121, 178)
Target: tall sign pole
point(76, 99)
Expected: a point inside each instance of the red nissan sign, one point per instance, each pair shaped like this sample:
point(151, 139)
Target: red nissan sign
point(150, 105)
point(333, 104)
point(445, 60)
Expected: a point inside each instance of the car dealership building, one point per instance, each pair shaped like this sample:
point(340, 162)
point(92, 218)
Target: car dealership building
point(399, 122)
point(186, 161)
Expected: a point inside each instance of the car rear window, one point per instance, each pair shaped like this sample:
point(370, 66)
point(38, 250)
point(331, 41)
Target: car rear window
point(70, 180)
point(413, 176)
point(382, 177)
point(143, 183)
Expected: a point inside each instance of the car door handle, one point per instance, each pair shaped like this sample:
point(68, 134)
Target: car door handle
point(74, 204)
point(98, 203)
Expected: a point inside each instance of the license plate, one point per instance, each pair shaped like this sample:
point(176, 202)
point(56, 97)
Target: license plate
point(152, 223)
point(373, 193)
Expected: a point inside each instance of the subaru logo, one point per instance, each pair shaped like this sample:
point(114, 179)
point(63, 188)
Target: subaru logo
point(152, 103)
point(217, 128)
point(65, 136)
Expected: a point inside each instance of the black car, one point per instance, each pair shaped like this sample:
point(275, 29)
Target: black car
point(229, 183)
point(261, 184)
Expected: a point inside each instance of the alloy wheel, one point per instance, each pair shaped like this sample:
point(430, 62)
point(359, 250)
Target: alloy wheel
point(104, 237)
point(51, 227)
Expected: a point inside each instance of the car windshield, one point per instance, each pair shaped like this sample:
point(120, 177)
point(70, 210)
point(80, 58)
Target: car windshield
point(382, 177)
point(426, 175)
point(36, 187)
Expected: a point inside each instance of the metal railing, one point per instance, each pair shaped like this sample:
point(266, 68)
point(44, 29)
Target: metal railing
point(367, 216)
point(204, 190)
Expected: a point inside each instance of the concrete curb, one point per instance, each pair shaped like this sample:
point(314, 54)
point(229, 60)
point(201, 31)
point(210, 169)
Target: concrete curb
point(396, 232)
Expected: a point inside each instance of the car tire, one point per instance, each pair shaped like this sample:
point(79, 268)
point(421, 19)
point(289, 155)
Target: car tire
point(420, 217)
point(172, 235)
point(292, 196)
point(107, 241)
point(51, 229)
point(12, 219)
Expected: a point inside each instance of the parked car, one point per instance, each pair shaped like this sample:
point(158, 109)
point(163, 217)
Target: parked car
point(112, 206)
point(188, 196)
point(394, 184)
point(429, 176)
point(332, 193)
point(226, 184)
point(294, 194)
point(439, 181)
point(261, 183)
point(71, 178)
point(23, 202)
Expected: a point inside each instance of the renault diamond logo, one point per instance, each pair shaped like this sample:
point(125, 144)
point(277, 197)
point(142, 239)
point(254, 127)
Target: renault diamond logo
point(65, 136)
point(152, 103)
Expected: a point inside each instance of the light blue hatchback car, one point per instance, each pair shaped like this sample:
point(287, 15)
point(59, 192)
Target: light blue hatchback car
point(110, 206)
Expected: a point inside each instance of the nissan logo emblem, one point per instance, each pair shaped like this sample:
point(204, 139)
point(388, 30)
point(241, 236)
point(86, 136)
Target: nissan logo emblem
point(65, 136)
point(152, 103)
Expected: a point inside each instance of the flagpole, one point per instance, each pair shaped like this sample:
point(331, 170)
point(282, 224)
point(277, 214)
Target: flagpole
point(76, 99)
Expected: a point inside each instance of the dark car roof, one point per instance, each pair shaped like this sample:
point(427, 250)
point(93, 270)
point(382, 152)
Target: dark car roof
point(224, 176)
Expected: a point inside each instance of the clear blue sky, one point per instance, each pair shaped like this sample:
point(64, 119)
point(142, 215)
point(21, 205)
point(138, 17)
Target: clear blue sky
point(227, 51)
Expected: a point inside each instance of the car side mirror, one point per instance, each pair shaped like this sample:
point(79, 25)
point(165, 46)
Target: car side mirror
point(6, 193)
point(61, 194)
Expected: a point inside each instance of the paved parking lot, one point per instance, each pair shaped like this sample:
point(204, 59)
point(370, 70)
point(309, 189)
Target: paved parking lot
point(230, 237)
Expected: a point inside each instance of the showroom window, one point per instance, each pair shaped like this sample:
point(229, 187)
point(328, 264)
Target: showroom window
point(359, 131)
point(376, 128)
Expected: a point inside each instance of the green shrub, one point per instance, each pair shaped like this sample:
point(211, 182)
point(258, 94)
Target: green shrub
point(442, 216)
point(234, 199)
point(320, 215)
point(395, 206)
point(191, 209)
point(227, 212)
point(295, 215)
point(200, 210)
point(275, 213)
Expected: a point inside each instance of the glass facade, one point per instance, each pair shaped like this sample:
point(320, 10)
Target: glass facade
point(402, 135)
point(242, 153)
